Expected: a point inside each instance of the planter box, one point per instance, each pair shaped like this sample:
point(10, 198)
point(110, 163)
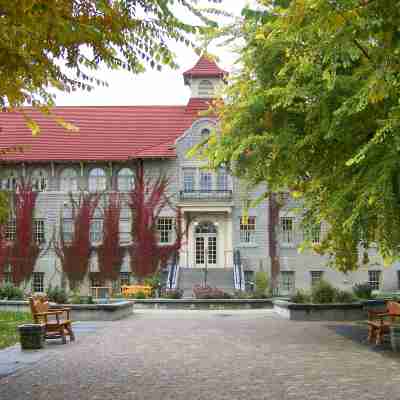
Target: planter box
point(202, 304)
point(99, 312)
point(319, 312)
point(80, 312)
point(395, 337)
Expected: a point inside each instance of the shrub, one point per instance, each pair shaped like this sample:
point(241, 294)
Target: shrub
point(76, 298)
point(210, 293)
point(139, 295)
point(343, 296)
point(57, 295)
point(10, 292)
point(172, 294)
point(323, 292)
point(154, 282)
point(261, 284)
point(301, 296)
point(363, 290)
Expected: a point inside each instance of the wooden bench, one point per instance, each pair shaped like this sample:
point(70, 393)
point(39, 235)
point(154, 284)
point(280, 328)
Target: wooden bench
point(379, 323)
point(57, 322)
point(134, 289)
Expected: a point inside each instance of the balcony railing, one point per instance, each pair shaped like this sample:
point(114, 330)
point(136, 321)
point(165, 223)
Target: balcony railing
point(217, 195)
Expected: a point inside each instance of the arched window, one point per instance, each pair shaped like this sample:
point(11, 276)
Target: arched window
point(125, 180)
point(205, 133)
point(69, 180)
point(206, 88)
point(39, 180)
point(9, 180)
point(206, 227)
point(97, 180)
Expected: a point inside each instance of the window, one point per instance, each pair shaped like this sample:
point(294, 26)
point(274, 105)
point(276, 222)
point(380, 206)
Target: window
point(39, 180)
point(97, 180)
point(96, 230)
point(316, 277)
point(206, 88)
point(222, 180)
point(398, 280)
point(69, 180)
point(124, 278)
point(374, 279)
point(189, 179)
point(287, 282)
point(125, 235)
point(205, 133)
point(9, 181)
point(68, 230)
point(247, 229)
point(11, 230)
point(313, 233)
point(205, 181)
point(287, 229)
point(38, 282)
point(125, 181)
point(164, 227)
point(39, 233)
point(7, 274)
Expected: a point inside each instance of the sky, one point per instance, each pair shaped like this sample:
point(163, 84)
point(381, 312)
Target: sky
point(151, 87)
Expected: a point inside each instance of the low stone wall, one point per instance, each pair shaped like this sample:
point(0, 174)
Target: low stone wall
point(14, 305)
point(319, 312)
point(80, 312)
point(202, 304)
point(99, 312)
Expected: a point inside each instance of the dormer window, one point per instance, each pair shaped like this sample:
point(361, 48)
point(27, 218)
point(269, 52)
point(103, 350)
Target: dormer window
point(39, 180)
point(97, 180)
point(10, 180)
point(205, 133)
point(206, 88)
point(125, 180)
point(69, 180)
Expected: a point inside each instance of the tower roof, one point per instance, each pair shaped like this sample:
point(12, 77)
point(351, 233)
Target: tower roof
point(206, 67)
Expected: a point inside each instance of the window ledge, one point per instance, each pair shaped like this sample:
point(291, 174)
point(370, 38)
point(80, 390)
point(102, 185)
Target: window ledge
point(288, 245)
point(248, 244)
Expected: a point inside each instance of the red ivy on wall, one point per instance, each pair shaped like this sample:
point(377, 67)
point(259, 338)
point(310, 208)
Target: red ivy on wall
point(146, 201)
point(75, 254)
point(24, 251)
point(110, 253)
point(4, 250)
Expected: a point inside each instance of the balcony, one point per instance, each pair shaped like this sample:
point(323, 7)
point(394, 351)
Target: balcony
point(205, 195)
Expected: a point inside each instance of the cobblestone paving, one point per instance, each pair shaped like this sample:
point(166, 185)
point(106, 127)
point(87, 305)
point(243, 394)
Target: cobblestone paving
point(192, 355)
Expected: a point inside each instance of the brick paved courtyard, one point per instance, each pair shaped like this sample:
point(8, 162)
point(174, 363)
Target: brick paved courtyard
point(211, 355)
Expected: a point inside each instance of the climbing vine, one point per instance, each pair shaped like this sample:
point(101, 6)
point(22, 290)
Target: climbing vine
point(75, 254)
point(110, 253)
point(146, 201)
point(24, 250)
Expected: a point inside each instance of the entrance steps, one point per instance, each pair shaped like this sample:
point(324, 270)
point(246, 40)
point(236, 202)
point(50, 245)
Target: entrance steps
point(216, 277)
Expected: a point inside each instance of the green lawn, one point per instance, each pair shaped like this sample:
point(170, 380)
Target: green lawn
point(9, 322)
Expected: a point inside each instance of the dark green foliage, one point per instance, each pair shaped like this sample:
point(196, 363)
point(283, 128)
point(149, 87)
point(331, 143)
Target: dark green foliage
point(172, 294)
point(11, 292)
point(57, 295)
point(261, 285)
point(323, 292)
point(301, 297)
point(343, 296)
point(362, 290)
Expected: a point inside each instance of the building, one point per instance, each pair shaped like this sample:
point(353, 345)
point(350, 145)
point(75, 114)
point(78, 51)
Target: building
point(101, 157)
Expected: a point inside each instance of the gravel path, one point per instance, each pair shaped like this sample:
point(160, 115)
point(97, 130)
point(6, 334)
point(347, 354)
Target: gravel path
point(192, 355)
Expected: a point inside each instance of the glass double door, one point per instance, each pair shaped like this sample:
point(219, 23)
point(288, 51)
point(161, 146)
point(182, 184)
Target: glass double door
point(206, 250)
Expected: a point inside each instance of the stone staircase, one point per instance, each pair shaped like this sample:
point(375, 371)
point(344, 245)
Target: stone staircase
point(216, 277)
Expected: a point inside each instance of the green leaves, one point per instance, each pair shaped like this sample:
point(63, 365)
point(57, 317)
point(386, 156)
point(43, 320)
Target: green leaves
point(315, 108)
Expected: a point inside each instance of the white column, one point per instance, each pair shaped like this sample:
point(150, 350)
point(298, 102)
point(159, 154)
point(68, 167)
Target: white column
point(229, 241)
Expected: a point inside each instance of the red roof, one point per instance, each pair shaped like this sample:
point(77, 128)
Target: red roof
point(105, 133)
point(205, 67)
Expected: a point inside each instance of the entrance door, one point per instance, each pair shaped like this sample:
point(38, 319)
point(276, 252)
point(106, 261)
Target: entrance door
point(205, 244)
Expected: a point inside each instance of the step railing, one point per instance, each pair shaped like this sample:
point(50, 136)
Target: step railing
point(172, 279)
point(238, 277)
